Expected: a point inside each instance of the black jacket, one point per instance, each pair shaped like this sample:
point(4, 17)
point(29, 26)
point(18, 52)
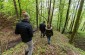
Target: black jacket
point(42, 27)
point(49, 32)
point(25, 30)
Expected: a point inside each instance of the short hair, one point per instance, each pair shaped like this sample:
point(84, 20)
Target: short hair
point(25, 14)
point(48, 25)
point(43, 21)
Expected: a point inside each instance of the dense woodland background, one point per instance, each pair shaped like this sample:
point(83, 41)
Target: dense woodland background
point(66, 16)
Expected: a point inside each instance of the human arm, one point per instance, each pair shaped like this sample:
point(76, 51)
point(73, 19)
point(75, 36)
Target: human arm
point(17, 29)
point(52, 32)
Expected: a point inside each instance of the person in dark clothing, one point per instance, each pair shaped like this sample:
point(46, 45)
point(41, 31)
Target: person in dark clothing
point(24, 28)
point(49, 33)
point(42, 28)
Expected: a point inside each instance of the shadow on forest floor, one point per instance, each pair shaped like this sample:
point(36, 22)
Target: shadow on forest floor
point(80, 41)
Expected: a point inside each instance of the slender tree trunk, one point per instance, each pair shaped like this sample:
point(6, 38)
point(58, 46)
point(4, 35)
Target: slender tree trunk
point(52, 12)
point(41, 11)
point(72, 19)
point(77, 21)
point(58, 23)
point(49, 12)
point(16, 10)
point(37, 12)
point(20, 8)
point(67, 15)
point(60, 14)
point(61, 8)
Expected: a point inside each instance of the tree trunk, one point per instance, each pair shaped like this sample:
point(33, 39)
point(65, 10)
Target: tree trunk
point(60, 15)
point(41, 11)
point(16, 10)
point(77, 21)
point(20, 8)
point(37, 12)
point(74, 18)
point(61, 8)
point(67, 15)
point(58, 23)
point(52, 12)
point(49, 12)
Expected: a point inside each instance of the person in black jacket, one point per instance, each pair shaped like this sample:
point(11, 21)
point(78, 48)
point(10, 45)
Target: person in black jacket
point(49, 33)
point(24, 28)
point(42, 28)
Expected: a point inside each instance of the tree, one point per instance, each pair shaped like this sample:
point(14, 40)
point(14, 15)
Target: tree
point(58, 23)
point(49, 11)
point(52, 11)
point(77, 21)
point(61, 9)
point(16, 10)
point(67, 15)
point(37, 12)
point(20, 8)
point(60, 14)
point(41, 11)
point(74, 17)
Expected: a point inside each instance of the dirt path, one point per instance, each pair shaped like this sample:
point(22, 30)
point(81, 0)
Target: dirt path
point(42, 48)
point(13, 43)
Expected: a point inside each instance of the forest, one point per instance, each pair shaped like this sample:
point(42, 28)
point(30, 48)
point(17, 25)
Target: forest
point(67, 17)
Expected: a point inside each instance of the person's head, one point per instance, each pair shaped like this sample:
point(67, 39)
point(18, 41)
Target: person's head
point(48, 26)
point(43, 21)
point(25, 15)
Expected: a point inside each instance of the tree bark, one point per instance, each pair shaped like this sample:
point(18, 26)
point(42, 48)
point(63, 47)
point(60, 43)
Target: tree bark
point(61, 8)
point(52, 12)
point(20, 8)
point(67, 15)
point(58, 23)
point(60, 15)
point(74, 17)
point(77, 21)
point(16, 10)
point(41, 11)
point(49, 12)
point(37, 12)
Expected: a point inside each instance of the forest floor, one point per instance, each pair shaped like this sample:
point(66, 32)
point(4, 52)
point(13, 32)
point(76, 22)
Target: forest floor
point(59, 44)
point(80, 41)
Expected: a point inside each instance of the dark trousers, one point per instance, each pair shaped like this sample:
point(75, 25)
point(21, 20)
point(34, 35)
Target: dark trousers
point(48, 39)
point(42, 34)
